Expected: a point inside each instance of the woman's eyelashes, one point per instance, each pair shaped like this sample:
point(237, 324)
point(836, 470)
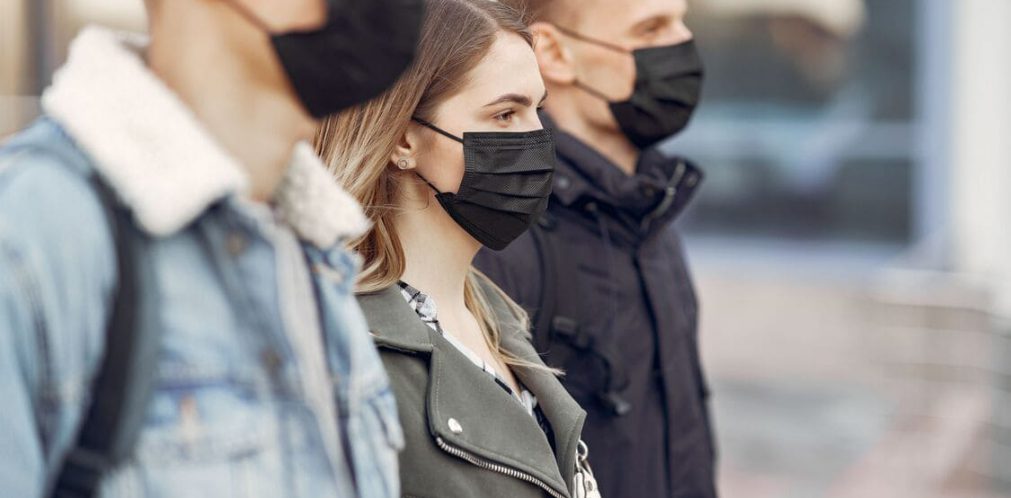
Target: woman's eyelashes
point(519, 114)
point(505, 117)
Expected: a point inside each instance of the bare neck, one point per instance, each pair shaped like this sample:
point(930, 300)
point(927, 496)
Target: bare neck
point(610, 143)
point(246, 107)
point(438, 252)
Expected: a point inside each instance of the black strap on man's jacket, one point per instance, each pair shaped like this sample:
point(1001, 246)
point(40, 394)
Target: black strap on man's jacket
point(558, 331)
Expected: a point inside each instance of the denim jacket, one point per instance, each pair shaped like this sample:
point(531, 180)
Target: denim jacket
point(248, 399)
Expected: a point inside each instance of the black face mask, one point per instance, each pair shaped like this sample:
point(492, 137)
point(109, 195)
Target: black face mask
point(357, 54)
point(506, 183)
point(668, 85)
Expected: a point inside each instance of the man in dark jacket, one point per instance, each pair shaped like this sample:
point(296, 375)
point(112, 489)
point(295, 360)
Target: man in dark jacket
point(603, 273)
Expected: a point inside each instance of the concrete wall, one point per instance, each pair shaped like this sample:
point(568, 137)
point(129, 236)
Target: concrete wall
point(16, 67)
point(981, 142)
point(981, 147)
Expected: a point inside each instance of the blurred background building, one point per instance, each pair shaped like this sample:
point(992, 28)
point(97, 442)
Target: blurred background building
point(852, 243)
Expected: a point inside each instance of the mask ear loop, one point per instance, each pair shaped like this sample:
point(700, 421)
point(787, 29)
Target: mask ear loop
point(245, 12)
point(427, 182)
point(592, 91)
point(600, 43)
point(440, 131)
point(436, 129)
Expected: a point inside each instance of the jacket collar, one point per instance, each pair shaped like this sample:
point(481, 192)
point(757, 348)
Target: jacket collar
point(585, 176)
point(393, 323)
point(396, 326)
point(155, 154)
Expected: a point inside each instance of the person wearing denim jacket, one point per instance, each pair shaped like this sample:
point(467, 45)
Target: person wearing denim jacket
point(267, 382)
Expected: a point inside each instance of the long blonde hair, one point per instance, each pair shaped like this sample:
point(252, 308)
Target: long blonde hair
point(357, 144)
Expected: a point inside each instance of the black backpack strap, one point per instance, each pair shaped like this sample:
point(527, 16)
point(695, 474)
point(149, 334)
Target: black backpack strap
point(557, 319)
point(545, 312)
point(121, 389)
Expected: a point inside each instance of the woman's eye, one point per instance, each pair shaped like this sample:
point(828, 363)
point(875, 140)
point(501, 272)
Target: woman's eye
point(505, 117)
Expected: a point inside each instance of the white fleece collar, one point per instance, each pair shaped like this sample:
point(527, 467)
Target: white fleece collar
point(151, 149)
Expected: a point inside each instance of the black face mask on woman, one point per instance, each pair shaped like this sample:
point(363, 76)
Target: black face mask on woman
point(506, 183)
point(360, 51)
point(668, 85)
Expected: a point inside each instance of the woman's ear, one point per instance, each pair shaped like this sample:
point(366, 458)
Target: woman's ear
point(553, 56)
point(406, 149)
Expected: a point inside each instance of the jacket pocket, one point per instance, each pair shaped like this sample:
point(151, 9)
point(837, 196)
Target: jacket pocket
point(213, 436)
point(200, 420)
point(375, 438)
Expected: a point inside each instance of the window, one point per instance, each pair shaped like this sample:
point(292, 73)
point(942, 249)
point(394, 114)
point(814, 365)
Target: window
point(809, 123)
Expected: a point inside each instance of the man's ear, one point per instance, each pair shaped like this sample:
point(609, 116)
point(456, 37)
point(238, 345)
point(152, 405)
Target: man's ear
point(556, 61)
point(406, 149)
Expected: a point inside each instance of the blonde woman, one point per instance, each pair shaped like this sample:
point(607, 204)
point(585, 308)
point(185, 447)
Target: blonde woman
point(451, 159)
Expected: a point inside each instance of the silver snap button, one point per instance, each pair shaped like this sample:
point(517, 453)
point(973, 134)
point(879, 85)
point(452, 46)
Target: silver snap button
point(455, 426)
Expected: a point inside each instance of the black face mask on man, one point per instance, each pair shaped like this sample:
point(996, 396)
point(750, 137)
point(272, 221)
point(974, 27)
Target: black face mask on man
point(668, 85)
point(506, 183)
point(357, 54)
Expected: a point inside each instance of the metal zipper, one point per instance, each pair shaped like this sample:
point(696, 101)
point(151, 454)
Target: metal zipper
point(494, 467)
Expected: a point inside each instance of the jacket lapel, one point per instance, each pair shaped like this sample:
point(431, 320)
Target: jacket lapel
point(476, 415)
point(562, 411)
point(565, 415)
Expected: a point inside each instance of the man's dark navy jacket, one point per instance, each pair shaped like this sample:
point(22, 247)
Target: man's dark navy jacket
point(631, 352)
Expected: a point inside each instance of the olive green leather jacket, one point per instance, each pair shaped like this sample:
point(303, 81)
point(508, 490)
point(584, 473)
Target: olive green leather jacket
point(465, 436)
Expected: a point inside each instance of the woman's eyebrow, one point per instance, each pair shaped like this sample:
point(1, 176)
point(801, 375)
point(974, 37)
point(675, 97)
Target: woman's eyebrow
point(516, 98)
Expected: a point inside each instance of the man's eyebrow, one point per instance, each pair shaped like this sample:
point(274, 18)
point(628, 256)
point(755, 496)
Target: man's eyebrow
point(657, 20)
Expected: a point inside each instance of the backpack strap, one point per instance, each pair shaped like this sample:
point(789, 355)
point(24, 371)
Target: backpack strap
point(122, 386)
point(121, 390)
point(557, 319)
point(545, 312)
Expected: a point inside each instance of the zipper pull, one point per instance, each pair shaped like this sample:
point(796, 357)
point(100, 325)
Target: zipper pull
point(584, 485)
point(670, 192)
